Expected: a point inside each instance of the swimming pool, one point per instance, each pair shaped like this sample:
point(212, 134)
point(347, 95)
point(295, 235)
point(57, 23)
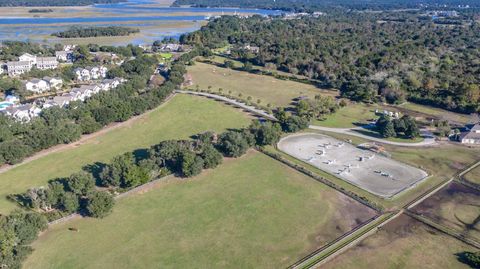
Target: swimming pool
point(5, 104)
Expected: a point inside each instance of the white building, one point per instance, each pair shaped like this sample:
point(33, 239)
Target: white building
point(472, 136)
point(18, 68)
point(171, 47)
point(37, 86)
point(27, 57)
point(23, 113)
point(64, 56)
point(54, 83)
point(44, 63)
point(90, 73)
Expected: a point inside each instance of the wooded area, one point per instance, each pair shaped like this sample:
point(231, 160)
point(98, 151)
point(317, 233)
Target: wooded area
point(394, 57)
point(312, 5)
point(96, 31)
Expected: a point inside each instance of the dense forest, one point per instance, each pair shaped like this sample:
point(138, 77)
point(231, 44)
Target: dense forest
point(367, 56)
point(44, 3)
point(75, 32)
point(312, 5)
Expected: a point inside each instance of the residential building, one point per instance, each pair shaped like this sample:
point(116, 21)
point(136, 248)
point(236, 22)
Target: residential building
point(54, 83)
point(64, 56)
point(82, 74)
point(472, 136)
point(47, 63)
point(18, 68)
point(27, 57)
point(61, 101)
point(90, 73)
point(69, 47)
point(37, 86)
point(23, 113)
point(252, 49)
point(3, 68)
point(171, 47)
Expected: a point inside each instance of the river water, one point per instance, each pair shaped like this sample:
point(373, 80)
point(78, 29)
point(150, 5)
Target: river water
point(154, 22)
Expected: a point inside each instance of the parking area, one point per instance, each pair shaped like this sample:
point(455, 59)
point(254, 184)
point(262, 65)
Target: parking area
point(370, 171)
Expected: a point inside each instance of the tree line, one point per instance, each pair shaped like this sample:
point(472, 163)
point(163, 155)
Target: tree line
point(313, 5)
point(83, 32)
point(89, 192)
point(370, 57)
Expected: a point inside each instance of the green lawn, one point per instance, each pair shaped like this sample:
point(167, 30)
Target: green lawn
point(473, 176)
point(181, 117)
point(404, 243)
point(352, 115)
point(437, 112)
point(266, 88)
point(251, 212)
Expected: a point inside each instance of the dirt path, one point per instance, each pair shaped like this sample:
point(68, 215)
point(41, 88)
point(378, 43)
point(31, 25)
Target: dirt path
point(83, 139)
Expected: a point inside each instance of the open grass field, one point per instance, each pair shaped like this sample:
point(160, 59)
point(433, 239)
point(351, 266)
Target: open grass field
point(355, 114)
point(473, 176)
point(266, 88)
point(456, 206)
point(403, 243)
point(438, 113)
point(251, 212)
point(352, 115)
point(182, 117)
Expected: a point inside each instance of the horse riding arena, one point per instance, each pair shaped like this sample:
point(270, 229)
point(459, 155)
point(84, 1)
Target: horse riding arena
point(365, 169)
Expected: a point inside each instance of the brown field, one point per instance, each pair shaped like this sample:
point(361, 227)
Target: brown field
point(456, 206)
point(267, 89)
point(403, 243)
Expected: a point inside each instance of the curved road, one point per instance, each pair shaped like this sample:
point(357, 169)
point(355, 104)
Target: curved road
point(428, 138)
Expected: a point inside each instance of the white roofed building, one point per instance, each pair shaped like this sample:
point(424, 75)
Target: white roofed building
point(44, 63)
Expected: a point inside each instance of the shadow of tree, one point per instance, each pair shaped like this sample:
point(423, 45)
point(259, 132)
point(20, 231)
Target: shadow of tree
point(468, 258)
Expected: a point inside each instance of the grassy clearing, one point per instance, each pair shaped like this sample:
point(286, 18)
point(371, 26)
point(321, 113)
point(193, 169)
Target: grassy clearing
point(181, 117)
point(437, 112)
point(166, 55)
point(352, 115)
point(252, 212)
point(356, 114)
point(473, 176)
point(265, 88)
point(403, 243)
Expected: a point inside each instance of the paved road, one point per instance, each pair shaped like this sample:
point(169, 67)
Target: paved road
point(428, 138)
point(234, 102)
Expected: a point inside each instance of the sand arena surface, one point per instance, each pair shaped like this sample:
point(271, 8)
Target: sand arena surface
point(372, 172)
